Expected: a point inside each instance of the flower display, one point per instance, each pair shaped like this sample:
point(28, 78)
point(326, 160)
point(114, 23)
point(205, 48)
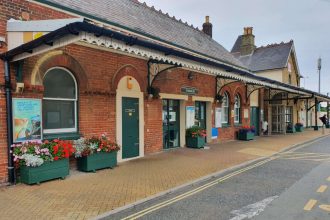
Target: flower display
point(195, 131)
point(35, 153)
point(87, 146)
point(246, 129)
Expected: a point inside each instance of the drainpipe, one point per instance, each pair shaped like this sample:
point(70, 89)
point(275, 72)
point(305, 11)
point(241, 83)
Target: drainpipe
point(11, 171)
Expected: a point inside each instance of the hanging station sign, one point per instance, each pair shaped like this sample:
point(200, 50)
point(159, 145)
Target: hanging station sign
point(27, 119)
point(189, 90)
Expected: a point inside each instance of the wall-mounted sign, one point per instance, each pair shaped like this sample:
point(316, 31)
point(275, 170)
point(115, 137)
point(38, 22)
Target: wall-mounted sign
point(218, 120)
point(189, 90)
point(190, 116)
point(27, 119)
point(246, 113)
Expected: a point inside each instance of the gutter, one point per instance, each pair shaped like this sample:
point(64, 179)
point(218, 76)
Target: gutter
point(11, 171)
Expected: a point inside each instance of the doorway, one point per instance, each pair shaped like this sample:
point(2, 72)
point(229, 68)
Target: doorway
point(171, 123)
point(255, 119)
point(278, 116)
point(130, 127)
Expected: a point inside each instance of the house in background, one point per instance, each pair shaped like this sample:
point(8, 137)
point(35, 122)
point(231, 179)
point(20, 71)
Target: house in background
point(278, 62)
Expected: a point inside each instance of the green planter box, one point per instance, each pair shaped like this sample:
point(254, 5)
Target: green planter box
point(327, 126)
point(97, 161)
point(47, 171)
point(195, 142)
point(245, 136)
point(299, 129)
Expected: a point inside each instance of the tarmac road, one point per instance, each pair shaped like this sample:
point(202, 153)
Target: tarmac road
point(289, 185)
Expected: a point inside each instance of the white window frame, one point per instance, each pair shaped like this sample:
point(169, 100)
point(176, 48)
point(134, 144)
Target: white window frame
point(225, 109)
point(237, 109)
point(75, 100)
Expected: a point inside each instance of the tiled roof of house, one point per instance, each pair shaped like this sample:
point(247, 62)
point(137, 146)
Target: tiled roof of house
point(142, 19)
point(274, 56)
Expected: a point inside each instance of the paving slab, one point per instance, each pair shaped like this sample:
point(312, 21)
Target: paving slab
point(87, 195)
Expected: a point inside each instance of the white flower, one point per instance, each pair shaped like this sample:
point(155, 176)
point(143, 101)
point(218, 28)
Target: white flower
point(32, 160)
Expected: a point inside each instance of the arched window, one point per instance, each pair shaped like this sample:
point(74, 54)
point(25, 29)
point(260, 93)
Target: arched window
point(237, 109)
point(225, 108)
point(60, 101)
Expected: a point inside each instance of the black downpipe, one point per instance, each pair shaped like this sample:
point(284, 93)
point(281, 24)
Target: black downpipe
point(11, 170)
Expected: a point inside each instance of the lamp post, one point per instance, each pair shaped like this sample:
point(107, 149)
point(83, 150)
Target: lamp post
point(319, 66)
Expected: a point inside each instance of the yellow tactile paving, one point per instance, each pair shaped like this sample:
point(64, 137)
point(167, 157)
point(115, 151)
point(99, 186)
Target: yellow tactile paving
point(83, 196)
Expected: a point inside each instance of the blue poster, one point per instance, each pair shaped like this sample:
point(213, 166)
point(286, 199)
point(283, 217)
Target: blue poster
point(26, 119)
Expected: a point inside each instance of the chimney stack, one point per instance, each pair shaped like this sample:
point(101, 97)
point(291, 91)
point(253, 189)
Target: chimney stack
point(247, 45)
point(207, 26)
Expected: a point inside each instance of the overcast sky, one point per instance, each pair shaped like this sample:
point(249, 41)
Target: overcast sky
point(307, 22)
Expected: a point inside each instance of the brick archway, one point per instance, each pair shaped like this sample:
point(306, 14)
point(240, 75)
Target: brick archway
point(127, 70)
point(59, 59)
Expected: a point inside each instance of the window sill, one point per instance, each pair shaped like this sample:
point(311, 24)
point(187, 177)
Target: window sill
point(62, 136)
point(237, 125)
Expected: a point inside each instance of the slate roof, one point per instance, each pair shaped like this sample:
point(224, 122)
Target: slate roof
point(274, 56)
point(138, 17)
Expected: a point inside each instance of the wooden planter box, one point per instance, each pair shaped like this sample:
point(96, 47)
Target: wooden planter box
point(299, 129)
point(97, 161)
point(195, 142)
point(245, 136)
point(291, 130)
point(47, 171)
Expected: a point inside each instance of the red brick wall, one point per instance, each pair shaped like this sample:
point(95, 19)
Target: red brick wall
point(97, 73)
point(16, 9)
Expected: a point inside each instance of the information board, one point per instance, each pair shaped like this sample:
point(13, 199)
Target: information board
point(218, 118)
point(190, 116)
point(27, 119)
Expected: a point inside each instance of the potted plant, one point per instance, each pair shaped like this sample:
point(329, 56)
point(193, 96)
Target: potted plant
point(290, 128)
point(95, 153)
point(41, 161)
point(299, 127)
point(195, 137)
point(246, 133)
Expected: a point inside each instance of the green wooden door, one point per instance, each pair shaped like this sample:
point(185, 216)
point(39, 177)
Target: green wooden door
point(254, 120)
point(171, 123)
point(130, 127)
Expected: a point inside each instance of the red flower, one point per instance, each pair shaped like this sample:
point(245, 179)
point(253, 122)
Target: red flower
point(56, 158)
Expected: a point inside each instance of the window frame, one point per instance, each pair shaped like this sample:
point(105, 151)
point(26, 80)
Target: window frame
point(75, 100)
point(225, 109)
point(237, 109)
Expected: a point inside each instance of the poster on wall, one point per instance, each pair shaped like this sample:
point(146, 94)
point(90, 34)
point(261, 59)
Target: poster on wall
point(190, 116)
point(218, 118)
point(27, 119)
point(246, 113)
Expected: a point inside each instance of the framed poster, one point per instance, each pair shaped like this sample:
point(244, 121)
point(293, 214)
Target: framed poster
point(27, 119)
point(218, 118)
point(190, 116)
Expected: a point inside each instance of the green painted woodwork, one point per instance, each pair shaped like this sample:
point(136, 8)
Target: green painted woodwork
point(97, 161)
point(47, 171)
point(245, 136)
point(195, 142)
point(255, 119)
point(171, 123)
point(62, 136)
point(130, 127)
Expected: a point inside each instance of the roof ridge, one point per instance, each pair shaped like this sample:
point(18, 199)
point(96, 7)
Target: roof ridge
point(144, 4)
point(275, 44)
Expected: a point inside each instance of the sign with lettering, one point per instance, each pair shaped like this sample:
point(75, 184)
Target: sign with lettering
point(190, 116)
point(27, 119)
point(189, 90)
